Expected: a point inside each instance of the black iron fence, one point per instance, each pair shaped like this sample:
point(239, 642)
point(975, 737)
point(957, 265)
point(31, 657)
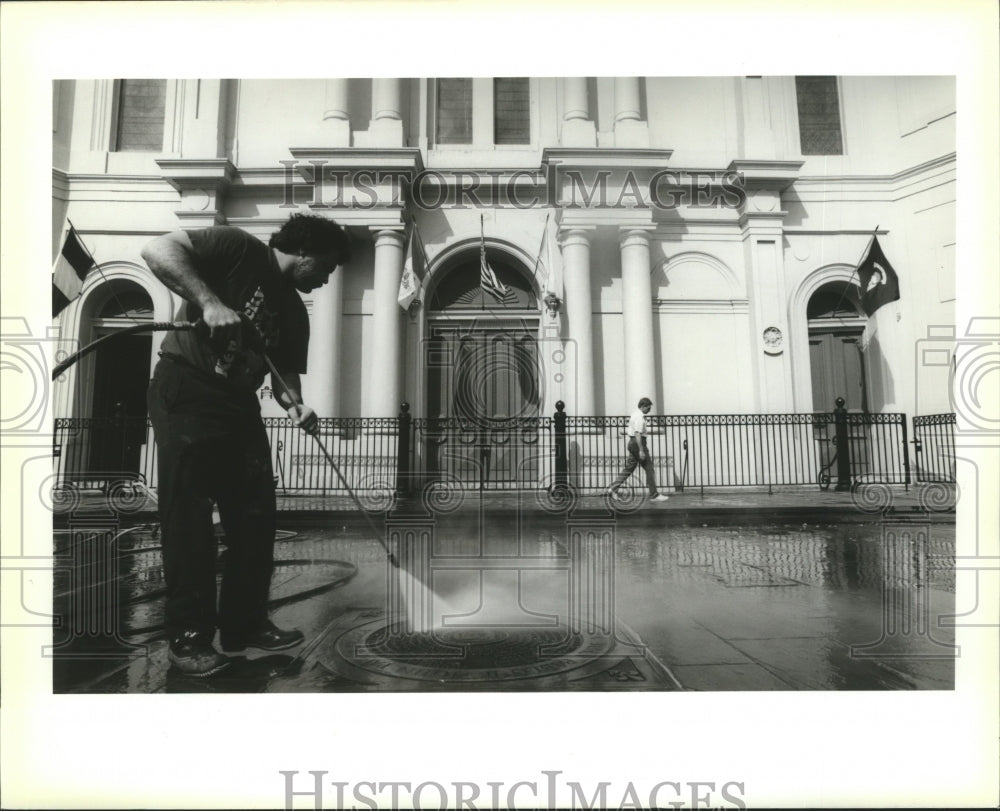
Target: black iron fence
point(382, 455)
point(364, 450)
point(99, 453)
point(744, 450)
point(934, 443)
point(690, 451)
point(489, 455)
point(103, 452)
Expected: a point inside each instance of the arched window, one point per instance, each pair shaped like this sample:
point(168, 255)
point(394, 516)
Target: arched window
point(834, 301)
point(460, 287)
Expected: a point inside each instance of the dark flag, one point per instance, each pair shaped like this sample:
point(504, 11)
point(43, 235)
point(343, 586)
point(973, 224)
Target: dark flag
point(71, 268)
point(879, 283)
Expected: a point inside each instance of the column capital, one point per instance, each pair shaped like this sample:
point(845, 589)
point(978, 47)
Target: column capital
point(576, 235)
point(630, 236)
point(387, 236)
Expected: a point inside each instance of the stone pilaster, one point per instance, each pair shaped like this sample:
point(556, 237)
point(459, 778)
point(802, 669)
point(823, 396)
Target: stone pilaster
point(336, 118)
point(630, 129)
point(578, 130)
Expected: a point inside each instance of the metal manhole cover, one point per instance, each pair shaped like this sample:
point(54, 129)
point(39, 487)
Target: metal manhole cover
point(467, 655)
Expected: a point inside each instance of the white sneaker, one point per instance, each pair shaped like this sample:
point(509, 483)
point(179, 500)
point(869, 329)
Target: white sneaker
point(659, 497)
point(615, 495)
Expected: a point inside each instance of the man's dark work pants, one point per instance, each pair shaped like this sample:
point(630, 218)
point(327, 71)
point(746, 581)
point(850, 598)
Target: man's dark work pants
point(212, 449)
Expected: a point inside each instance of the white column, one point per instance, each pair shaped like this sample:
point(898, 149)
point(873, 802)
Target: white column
point(579, 318)
point(386, 127)
point(577, 128)
point(575, 103)
point(322, 382)
point(384, 387)
point(385, 99)
point(336, 119)
point(627, 99)
point(630, 129)
point(637, 313)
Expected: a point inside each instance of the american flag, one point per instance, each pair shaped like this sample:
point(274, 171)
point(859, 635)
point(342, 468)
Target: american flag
point(487, 276)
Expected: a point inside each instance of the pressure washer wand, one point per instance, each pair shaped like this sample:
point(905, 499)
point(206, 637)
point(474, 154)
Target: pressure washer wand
point(153, 326)
point(168, 326)
point(371, 525)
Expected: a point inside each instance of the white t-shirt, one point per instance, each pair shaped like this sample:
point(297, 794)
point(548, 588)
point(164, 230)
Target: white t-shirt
point(636, 424)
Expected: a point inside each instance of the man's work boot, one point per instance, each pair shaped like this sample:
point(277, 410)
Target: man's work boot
point(193, 655)
point(269, 637)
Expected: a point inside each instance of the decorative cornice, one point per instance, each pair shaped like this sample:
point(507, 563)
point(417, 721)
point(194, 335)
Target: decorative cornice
point(606, 157)
point(764, 174)
point(360, 158)
point(362, 220)
point(186, 174)
point(106, 179)
point(622, 218)
point(827, 232)
point(896, 177)
point(701, 305)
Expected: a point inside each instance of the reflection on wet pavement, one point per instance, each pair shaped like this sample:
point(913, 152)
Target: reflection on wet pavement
point(549, 605)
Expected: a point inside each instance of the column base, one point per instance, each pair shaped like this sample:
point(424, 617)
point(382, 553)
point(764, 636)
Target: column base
point(632, 134)
point(337, 132)
point(383, 132)
point(579, 133)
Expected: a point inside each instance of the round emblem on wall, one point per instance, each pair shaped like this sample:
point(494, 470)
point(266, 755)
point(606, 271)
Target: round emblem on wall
point(764, 200)
point(773, 340)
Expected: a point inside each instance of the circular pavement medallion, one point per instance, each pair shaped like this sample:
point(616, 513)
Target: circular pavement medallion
point(468, 655)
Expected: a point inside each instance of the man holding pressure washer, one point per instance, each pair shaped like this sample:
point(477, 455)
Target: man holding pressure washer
point(211, 442)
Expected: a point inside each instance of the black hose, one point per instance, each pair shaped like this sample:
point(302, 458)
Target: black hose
point(154, 326)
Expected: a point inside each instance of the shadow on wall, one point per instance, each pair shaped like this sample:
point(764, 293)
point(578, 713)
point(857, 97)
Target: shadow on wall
point(883, 388)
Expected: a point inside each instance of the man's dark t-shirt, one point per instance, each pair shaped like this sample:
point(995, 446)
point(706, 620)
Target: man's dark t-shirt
point(242, 272)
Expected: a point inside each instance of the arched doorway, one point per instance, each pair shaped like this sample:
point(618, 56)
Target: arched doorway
point(836, 356)
point(120, 376)
point(484, 384)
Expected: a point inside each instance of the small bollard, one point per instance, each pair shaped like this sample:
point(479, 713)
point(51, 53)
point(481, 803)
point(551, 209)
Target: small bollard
point(843, 445)
point(404, 424)
point(562, 453)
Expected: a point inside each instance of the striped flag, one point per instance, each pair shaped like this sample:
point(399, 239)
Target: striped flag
point(71, 268)
point(414, 270)
point(487, 277)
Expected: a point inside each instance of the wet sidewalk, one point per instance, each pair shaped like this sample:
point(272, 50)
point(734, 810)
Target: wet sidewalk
point(790, 590)
point(866, 503)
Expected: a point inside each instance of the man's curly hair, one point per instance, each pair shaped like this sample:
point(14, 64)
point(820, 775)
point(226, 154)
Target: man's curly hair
point(312, 234)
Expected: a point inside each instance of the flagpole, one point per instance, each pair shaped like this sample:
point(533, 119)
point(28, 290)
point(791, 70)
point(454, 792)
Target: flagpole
point(541, 244)
point(857, 264)
point(99, 269)
point(482, 260)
